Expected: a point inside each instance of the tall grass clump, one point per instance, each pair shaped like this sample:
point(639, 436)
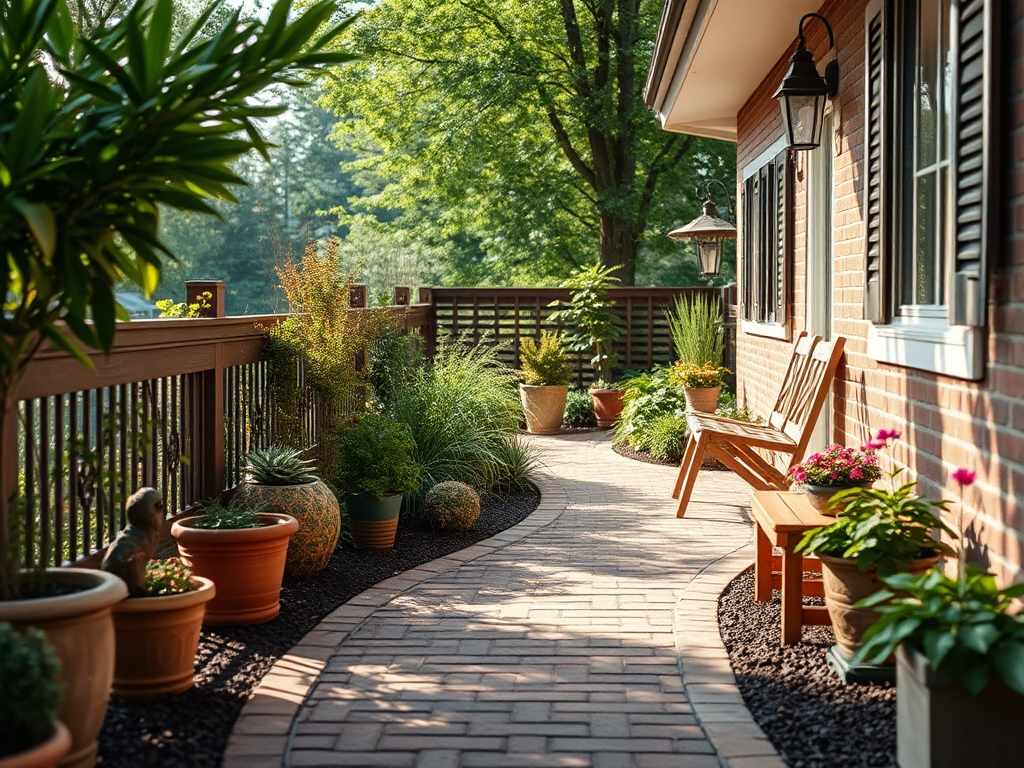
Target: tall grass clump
point(697, 332)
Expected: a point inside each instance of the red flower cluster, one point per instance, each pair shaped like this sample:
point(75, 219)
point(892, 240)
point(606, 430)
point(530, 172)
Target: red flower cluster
point(837, 466)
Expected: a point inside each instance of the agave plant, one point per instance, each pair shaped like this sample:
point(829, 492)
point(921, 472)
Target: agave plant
point(279, 465)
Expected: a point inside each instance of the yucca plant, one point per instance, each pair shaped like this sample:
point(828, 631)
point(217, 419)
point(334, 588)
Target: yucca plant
point(279, 465)
point(697, 335)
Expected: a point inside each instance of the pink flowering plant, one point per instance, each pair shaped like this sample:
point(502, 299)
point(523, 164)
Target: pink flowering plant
point(168, 577)
point(838, 467)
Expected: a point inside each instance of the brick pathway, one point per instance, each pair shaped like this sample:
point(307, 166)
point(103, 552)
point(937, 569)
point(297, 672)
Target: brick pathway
point(556, 643)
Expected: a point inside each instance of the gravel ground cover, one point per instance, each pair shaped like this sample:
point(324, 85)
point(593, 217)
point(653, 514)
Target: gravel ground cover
point(810, 716)
point(191, 730)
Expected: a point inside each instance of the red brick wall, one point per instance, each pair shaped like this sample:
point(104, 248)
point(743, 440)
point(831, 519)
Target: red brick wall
point(945, 422)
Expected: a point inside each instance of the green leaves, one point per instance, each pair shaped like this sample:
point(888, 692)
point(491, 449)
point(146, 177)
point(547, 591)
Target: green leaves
point(589, 316)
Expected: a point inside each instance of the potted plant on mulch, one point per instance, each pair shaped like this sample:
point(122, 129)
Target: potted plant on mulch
point(959, 644)
point(280, 480)
point(824, 475)
point(31, 736)
point(699, 343)
point(375, 468)
point(879, 533)
point(701, 384)
point(590, 314)
point(546, 376)
point(241, 548)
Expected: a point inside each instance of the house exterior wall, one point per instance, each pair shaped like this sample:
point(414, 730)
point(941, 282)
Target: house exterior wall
point(946, 422)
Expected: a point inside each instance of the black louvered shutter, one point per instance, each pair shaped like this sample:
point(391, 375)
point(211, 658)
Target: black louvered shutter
point(973, 168)
point(779, 263)
point(877, 164)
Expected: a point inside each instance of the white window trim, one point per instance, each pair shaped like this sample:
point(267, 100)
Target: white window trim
point(921, 337)
point(752, 327)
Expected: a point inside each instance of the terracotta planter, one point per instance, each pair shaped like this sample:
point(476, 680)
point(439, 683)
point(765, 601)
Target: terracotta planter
point(80, 628)
point(246, 564)
point(45, 755)
point(939, 724)
point(820, 496)
point(157, 639)
point(607, 406)
point(544, 407)
point(319, 516)
point(703, 399)
point(373, 522)
point(844, 585)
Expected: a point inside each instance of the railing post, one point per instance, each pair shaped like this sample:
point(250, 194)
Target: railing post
point(357, 297)
point(403, 296)
point(212, 306)
point(425, 296)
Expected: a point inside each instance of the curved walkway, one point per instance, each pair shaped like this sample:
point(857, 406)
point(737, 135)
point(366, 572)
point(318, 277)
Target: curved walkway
point(559, 642)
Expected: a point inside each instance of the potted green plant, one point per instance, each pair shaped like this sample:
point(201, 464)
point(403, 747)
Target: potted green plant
point(879, 533)
point(701, 384)
point(823, 475)
point(157, 635)
point(280, 480)
point(595, 327)
point(31, 735)
point(375, 468)
point(546, 376)
point(241, 548)
point(699, 343)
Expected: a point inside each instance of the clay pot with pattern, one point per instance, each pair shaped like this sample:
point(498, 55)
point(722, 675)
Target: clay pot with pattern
point(45, 755)
point(319, 516)
point(246, 564)
point(80, 627)
point(373, 522)
point(544, 407)
point(157, 639)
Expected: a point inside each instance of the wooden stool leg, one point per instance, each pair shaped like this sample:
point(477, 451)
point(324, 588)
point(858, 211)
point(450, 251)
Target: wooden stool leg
point(792, 595)
point(691, 447)
point(762, 565)
point(691, 473)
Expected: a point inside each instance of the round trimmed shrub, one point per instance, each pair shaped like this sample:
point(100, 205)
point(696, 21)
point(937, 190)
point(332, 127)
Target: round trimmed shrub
point(451, 506)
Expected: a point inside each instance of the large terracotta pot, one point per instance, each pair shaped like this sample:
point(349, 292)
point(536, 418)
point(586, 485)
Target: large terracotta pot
point(246, 564)
point(373, 522)
point(820, 497)
point(80, 628)
point(939, 724)
point(703, 399)
point(319, 516)
point(157, 639)
point(45, 755)
point(845, 585)
point(607, 405)
point(544, 407)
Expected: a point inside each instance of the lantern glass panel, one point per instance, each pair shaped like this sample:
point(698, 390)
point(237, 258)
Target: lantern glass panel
point(802, 118)
point(709, 253)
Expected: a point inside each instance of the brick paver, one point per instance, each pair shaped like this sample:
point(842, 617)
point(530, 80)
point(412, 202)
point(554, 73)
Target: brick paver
point(556, 643)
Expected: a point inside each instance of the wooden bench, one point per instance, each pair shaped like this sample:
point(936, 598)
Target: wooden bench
point(781, 519)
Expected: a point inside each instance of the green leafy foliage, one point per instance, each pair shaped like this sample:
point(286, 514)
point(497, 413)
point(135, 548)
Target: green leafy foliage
point(965, 626)
point(451, 506)
point(394, 358)
point(279, 465)
point(514, 462)
point(697, 376)
point(579, 408)
point(168, 577)
point(666, 437)
point(216, 515)
point(589, 314)
point(730, 408)
point(31, 694)
point(881, 529)
point(376, 458)
point(168, 308)
point(697, 333)
point(544, 363)
point(647, 399)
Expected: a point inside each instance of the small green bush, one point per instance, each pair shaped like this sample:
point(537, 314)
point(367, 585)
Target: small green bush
point(394, 360)
point(516, 461)
point(544, 363)
point(666, 437)
point(697, 333)
point(451, 506)
point(646, 398)
point(579, 409)
point(29, 691)
point(232, 516)
point(697, 376)
point(375, 458)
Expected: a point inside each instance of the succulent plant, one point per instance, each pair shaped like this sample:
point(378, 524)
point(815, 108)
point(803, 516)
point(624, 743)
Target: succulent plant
point(278, 465)
point(451, 506)
point(31, 694)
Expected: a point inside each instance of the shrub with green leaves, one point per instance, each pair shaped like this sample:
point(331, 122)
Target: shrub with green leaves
point(646, 398)
point(590, 316)
point(964, 626)
point(376, 458)
point(279, 465)
point(701, 376)
point(216, 515)
point(168, 577)
point(516, 461)
point(579, 409)
point(29, 691)
point(881, 529)
point(393, 360)
point(544, 363)
point(697, 331)
point(666, 437)
point(451, 506)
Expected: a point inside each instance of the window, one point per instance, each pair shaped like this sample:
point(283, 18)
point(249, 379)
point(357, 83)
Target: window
point(766, 209)
point(927, 180)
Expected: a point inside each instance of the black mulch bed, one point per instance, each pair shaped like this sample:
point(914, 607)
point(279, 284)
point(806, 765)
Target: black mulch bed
point(625, 449)
point(810, 716)
point(191, 730)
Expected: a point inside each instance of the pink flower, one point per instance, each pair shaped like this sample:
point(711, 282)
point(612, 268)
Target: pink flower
point(799, 475)
point(964, 476)
point(873, 445)
point(856, 473)
point(888, 434)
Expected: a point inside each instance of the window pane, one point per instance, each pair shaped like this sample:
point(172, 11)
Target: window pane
point(925, 251)
point(929, 22)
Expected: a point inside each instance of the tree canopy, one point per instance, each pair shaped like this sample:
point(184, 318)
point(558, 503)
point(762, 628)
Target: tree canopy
point(511, 135)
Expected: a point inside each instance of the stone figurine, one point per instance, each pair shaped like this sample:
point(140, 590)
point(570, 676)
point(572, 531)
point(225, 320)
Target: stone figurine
point(129, 553)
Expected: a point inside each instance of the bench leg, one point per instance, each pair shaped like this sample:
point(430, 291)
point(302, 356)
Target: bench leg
point(792, 596)
point(691, 446)
point(691, 473)
point(762, 566)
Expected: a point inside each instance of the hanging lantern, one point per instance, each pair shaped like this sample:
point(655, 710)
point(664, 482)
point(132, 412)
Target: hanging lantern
point(709, 230)
point(803, 93)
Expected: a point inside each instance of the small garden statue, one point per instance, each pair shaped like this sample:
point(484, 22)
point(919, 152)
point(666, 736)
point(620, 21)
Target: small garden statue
point(134, 546)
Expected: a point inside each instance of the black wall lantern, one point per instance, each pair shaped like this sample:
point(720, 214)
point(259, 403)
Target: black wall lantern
point(708, 230)
point(803, 92)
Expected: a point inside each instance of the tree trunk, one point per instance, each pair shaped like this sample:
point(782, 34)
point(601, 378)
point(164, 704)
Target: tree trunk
point(618, 247)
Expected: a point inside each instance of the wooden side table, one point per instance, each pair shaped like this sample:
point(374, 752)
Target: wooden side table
point(781, 519)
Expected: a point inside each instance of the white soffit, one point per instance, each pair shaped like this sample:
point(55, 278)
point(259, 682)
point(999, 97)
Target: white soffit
point(730, 48)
